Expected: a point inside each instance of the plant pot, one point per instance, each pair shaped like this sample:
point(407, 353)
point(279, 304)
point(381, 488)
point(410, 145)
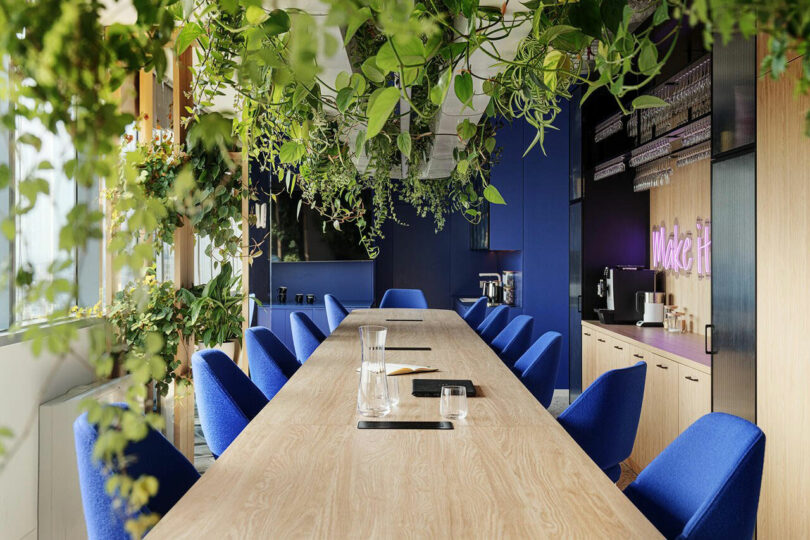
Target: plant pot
point(232, 348)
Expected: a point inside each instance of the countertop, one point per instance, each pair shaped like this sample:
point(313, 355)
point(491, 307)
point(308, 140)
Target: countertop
point(658, 340)
point(291, 304)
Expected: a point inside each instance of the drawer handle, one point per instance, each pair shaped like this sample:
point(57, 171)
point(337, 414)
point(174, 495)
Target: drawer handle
point(617, 347)
point(638, 355)
point(600, 340)
point(688, 378)
point(661, 366)
point(587, 334)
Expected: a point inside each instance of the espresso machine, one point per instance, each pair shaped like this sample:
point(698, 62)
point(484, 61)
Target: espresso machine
point(619, 286)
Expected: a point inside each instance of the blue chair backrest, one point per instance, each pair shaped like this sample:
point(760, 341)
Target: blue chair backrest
point(492, 325)
point(226, 398)
point(603, 420)
point(335, 311)
point(153, 455)
point(706, 483)
point(271, 362)
point(538, 366)
point(512, 341)
point(306, 335)
point(404, 298)
point(475, 313)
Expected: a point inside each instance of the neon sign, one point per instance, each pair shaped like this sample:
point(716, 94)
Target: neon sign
point(674, 252)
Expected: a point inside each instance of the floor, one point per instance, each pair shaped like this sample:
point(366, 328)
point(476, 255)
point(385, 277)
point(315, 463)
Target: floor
point(204, 459)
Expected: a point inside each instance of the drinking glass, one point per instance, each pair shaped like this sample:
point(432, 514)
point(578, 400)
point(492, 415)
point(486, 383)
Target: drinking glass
point(393, 390)
point(372, 391)
point(453, 402)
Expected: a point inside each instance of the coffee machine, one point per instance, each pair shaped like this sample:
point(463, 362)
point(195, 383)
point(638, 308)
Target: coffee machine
point(619, 286)
point(651, 304)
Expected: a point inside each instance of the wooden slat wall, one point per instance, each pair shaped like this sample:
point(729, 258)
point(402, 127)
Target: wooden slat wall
point(687, 197)
point(783, 296)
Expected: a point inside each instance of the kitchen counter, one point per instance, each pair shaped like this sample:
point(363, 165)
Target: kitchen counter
point(690, 347)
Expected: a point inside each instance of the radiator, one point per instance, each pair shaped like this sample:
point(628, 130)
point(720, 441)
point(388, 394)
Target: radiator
point(60, 502)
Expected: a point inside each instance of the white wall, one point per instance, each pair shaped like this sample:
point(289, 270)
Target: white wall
point(27, 381)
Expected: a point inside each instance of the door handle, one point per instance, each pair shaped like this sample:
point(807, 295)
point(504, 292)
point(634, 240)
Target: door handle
point(587, 334)
point(639, 356)
point(688, 378)
point(661, 366)
point(706, 339)
point(600, 340)
point(579, 304)
point(617, 347)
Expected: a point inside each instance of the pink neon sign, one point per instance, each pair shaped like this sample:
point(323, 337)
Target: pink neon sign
point(673, 252)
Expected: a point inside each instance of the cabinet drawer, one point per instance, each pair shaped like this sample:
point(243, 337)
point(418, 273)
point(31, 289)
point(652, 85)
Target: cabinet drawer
point(588, 357)
point(619, 354)
point(694, 396)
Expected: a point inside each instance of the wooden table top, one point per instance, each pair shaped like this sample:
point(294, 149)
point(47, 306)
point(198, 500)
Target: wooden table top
point(302, 469)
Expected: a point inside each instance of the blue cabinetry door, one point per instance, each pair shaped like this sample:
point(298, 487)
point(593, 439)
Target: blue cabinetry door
point(506, 221)
point(280, 325)
point(319, 318)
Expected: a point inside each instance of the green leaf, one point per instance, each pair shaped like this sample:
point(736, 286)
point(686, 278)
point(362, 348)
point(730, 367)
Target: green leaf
point(31, 140)
point(492, 194)
point(255, 15)
point(8, 227)
point(380, 105)
point(439, 91)
point(648, 58)
point(464, 88)
point(359, 141)
point(648, 102)
point(553, 32)
point(489, 144)
point(466, 129)
point(401, 52)
point(358, 82)
point(188, 35)
point(356, 20)
point(661, 14)
point(612, 12)
point(371, 71)
point(342, 80)
point(344, 98)
point(586, 16)
point(5, 175)
point(277, 23)
point(404, 143)
point(462, 167)
point(291, 152)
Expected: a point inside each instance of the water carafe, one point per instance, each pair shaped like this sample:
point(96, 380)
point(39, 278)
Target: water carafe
point(372, 393)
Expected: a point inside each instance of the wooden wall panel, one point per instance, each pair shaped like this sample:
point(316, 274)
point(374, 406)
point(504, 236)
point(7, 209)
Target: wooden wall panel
point(783, 294)
point(685, 198)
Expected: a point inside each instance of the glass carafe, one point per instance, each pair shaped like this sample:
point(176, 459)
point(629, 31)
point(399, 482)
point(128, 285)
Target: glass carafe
point(372, 393)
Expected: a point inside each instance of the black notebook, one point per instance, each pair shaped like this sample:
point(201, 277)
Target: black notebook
point(433, 387)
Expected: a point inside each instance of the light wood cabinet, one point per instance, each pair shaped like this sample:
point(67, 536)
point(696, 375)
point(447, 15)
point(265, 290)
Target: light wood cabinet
point(658, 425)
point(676, 391)
point(588, 357)
point(694, 396)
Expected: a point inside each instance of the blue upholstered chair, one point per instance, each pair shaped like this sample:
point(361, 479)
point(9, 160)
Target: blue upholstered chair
point(271, 362)
point(537, 367)
point(514, 339)
point(706, 483)
point(153, 455)
point(493, 323)
point(306, 335)
point(226, 398)
point(335, 311)
point(404, 298)
point(603, 420)
point(475, 313)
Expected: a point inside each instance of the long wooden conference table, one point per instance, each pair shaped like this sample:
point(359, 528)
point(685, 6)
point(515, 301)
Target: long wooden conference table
point(302, 469)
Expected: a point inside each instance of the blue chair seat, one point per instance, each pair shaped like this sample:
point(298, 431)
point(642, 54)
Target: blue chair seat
point(306, 335)
point(706, 483)
point(227, 400)
point(104, 518)
point(603, 420)
point(404, 298)
point(514, 339)
point(537, 368)
point(271, 362)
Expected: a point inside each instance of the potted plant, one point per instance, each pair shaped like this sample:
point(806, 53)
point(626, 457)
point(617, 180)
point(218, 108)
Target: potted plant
point(215, 312)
